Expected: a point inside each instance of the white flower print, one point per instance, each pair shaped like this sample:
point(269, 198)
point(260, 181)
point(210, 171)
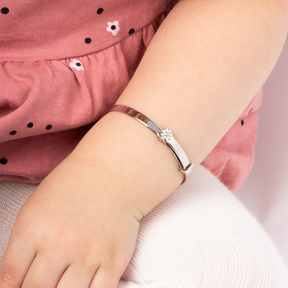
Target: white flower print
point(166, 134)
point(77, 65)
point(113, 27)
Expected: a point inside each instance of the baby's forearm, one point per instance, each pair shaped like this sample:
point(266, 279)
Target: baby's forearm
point(203, 67)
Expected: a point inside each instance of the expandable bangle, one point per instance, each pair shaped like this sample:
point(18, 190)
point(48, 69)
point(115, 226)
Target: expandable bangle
point(165, 135)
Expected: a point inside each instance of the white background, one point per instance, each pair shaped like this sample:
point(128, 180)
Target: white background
point(265, 191)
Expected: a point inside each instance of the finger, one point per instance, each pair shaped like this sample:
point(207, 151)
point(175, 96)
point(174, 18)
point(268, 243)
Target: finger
point(105, 278)
point(77, 276)
point(15, 262)
point(45, 271)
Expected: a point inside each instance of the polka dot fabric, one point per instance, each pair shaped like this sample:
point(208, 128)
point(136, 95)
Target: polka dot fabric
point(62, 67)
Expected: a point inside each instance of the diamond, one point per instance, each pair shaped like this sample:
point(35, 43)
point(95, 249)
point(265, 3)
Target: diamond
point(166, 134)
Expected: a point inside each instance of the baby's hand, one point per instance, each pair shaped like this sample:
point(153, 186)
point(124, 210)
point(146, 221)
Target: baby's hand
point(70, 233)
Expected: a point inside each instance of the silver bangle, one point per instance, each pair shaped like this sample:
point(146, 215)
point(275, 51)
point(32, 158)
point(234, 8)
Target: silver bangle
point(164, 135)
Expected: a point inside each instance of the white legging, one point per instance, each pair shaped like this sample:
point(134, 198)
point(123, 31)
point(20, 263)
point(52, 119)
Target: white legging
point(200, 236)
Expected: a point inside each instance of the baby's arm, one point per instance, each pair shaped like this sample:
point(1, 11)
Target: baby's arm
point(203, 67)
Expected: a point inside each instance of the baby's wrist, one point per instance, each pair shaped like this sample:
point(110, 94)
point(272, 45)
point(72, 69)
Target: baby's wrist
point(98, 177)
point(143, 172)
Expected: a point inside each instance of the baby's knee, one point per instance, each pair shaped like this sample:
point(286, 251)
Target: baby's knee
point(233, 263)
point(200, 255)
point(248, 262)
point(204, 239)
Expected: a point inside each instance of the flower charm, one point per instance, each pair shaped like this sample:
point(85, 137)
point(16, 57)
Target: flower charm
point(77, 65)
point(113, 27)
point(166, 134)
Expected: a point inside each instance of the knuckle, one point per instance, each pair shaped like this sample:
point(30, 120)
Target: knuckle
point(7, 280)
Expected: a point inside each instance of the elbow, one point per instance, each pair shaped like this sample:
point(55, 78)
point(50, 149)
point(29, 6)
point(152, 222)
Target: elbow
point(276, 17)
point(285, 9)
point(281, 13)
point(277, 11)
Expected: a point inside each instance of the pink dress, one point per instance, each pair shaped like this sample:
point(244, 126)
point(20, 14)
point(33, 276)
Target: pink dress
point(63, 65)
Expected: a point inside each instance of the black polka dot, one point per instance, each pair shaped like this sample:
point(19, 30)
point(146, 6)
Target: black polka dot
point(5, 10)
point(30, 125)
point(131, 31)
point(100, 10)
point(13, 132)
point(78, 64)
point(88, 40)
point(48, 127)
point(113, 27)
point(3, 161)
point(242, 122)
point(250, 110)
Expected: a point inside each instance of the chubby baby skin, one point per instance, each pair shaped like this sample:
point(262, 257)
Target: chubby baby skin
point(79, 227)
point(69, 229)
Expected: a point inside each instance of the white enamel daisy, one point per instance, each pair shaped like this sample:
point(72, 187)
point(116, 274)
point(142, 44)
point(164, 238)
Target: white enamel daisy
point(113, 27)
point(77, 65)
point(166, 134)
